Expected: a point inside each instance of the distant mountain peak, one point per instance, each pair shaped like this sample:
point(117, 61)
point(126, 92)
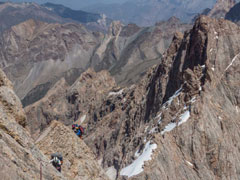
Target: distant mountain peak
point(221, 8)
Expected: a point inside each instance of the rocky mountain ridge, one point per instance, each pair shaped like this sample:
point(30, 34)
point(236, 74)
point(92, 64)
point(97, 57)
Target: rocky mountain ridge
point(148, 12)
point(221, 8)
point(33, 50)
point(187, 107)
point(14, 13)
point(22, 158)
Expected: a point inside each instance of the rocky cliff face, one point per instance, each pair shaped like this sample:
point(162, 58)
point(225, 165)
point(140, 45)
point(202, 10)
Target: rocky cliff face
point(69, 104)
point(79, 162)
point(196, 129)
point(20, 158)
point(181, 119)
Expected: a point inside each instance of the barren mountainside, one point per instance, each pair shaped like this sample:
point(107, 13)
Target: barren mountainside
point(23, 158)
point(35, 54)
point(14, 13)
point(180, 120)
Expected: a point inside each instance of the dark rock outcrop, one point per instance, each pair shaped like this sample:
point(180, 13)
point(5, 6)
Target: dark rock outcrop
point(233, 14)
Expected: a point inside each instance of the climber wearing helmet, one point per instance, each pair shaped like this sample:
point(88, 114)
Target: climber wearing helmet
point(78, 130)
point(57, 161)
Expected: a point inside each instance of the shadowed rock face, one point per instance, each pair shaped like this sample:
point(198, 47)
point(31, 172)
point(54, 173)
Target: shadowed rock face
point(233, 14)
point(188, 105)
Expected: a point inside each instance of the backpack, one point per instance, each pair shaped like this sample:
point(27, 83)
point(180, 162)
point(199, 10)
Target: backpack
point(81, 129)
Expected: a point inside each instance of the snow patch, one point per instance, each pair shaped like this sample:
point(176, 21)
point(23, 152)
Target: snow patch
point(116, 93)
point(82, 119)
point(200, 88)
point(145, 130)
point(190, 164)
point(137, 154)
point(153, 130)
point(137, 166)
point(193, 99)
point(169, 128)
point(111, 173)
point(234, 59)
point(145, 139)
point(176, 94)
point(183, 118)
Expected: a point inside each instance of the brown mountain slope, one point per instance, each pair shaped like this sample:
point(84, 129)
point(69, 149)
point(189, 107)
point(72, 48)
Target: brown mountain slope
point(205, 110)
point(69, 104)
point(188, 106)
point(19, 157)
point(206, 145)
point(35, 55)
point(79, 161)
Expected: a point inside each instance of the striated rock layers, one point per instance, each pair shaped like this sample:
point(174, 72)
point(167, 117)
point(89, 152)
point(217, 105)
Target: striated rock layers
point(188, 106)
point(35, 55)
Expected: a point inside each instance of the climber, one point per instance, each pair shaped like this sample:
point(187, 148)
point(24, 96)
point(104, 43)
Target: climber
point(57, 161)
point(78, 130)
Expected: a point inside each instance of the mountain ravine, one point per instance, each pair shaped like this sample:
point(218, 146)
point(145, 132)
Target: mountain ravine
point(180, 121)
point(35, 55)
